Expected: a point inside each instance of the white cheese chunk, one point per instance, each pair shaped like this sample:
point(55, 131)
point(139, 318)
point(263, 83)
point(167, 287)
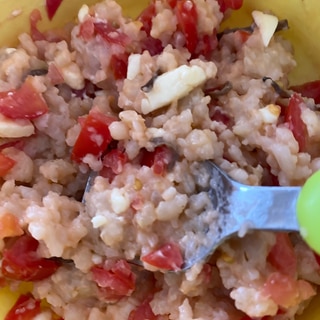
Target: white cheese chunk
point(171, 86)
point(267, 25)
point(15, 128)
point(134, 63)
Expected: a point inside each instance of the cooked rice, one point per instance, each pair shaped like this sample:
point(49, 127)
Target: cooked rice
point(139, 210)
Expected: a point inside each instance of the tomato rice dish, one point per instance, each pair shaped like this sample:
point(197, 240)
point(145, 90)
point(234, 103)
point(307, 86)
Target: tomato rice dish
point(136, 105)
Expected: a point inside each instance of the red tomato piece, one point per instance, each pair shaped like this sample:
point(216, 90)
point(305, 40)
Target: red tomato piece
point(187, 17)
point(111, 34)
point(167, 257)
point(21, 262)
point(282, 255)
point(23, 103)
point(281, 288)
point(9, 226)
point(6, 164)
point(230, 4)
point(294, 121)
point(160, 159)
point(119, 65)
point(114, 279)
point(87, 29)
point(206, 44)
point(25, 308)
point(146, 17)
point(309, 90)
point(52, 7)
point(286, 291)
point(115, 159)
point(94, 136)
point(142, 312)
point(35, 17)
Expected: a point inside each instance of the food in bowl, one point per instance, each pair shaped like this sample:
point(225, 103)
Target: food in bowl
point(142, 103)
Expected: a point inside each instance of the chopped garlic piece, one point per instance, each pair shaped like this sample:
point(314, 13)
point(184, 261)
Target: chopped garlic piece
point(134, 62)
point(270, 113)
point(119, 200)
point(171, 86)
point(83, 12)
point(267, 25)
point(15, 128)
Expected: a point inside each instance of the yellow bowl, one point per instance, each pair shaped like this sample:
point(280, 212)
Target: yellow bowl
point(304, 29)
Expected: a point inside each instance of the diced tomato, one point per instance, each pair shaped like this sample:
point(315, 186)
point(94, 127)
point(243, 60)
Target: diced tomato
point(294, 121)
point(21, 262)
point(87, 29)
point(230, 4)
point(159, 159)
point(217, 114)
point(309, 90)
point(206, 44)
point(146, 17)
point(119, 65)
point(114, 279)
point(286, 291)
point(36, 34)
point(243, 35)
point(282, 255)
point(172, 3)
point(143, 312)
point(167, 257)
point(6, 164)
point(94, 136)
point(52, 7)
point(154, 46)
point(23, 103)
point(115, 159)
point(25, 308)
point(187, 17)
point(9, 226)
point(111, 34)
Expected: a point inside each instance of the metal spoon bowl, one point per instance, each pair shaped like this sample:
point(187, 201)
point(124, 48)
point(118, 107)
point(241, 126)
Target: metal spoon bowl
point(235, 209)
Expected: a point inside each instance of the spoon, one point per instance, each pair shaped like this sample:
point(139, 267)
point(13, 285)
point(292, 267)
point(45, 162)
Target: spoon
point(243, 208)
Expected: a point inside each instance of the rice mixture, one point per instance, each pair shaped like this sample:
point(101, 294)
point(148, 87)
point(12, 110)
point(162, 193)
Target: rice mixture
point(143, 102)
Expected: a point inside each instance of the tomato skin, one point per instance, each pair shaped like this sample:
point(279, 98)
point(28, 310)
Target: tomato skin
point(6, 164)
point(187, 17)
point(34, 18)
point(25, 308)
point(154, 46)
point(146, 16)
point(294, 121)
point(167, 257)
point(114, 279)
point(230, 4)
point(142, 312)
point(282, 255)
point(309, 90)
point(21, 262)
point(52, 7)
point(94, 136)
point(110, 34)
point(160, 159)
point(23, 103)
point(119, 65)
